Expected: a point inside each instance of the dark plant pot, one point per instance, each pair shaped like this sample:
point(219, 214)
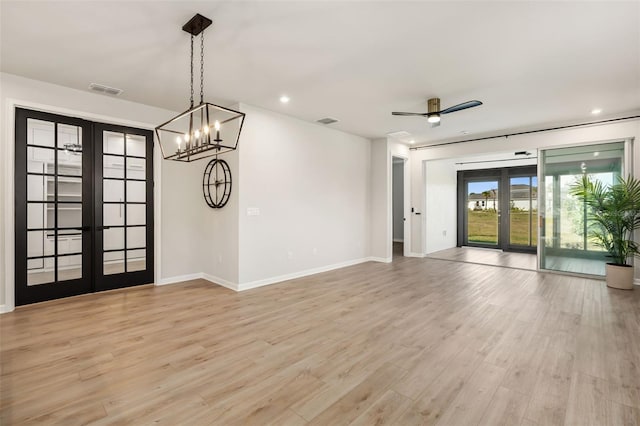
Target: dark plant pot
point(619, 276)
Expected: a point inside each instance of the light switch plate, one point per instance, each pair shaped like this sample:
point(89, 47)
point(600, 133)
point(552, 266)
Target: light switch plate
point(253, 211)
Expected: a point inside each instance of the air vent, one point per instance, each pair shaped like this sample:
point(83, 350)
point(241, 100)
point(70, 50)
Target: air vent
point(327, 120)
point(101, 88)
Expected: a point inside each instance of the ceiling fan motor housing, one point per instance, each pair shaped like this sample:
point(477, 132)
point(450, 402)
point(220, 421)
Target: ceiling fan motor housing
point(433, 105)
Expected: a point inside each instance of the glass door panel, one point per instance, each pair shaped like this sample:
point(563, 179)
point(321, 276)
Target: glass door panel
point(483, 214)
point(523, 211)
point(566, 245)
point(53, 210)
point(125, 222)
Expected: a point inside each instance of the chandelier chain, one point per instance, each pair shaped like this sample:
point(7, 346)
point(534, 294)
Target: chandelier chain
point(191, 98)
point(202, 67)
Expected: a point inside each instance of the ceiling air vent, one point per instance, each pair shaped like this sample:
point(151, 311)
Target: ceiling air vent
point(101, 88)
point(327, 120)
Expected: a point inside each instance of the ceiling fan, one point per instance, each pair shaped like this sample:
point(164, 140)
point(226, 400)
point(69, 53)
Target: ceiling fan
point(433, 110)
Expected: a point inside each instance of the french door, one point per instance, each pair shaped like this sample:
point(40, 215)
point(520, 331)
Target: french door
point(498, 208)
point(75, 182)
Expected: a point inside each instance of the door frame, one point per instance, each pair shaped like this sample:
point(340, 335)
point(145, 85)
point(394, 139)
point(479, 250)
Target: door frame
point(8, 162)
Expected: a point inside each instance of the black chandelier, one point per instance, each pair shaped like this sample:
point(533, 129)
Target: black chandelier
point(203, 130)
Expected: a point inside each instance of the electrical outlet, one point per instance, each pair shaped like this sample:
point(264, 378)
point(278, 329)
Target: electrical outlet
point(290, 254)
point(253, 211)
point(444, 233)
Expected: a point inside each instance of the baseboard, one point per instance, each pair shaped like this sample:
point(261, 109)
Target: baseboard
point(398, 240)
point(268, 281)
point(219, 281)
point(179, 279)
point(416, 255)
point(300, 274)
point(6, 308)
point(380, 259)
point(636, 281)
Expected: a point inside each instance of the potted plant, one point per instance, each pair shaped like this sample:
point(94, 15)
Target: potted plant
point(613, 214)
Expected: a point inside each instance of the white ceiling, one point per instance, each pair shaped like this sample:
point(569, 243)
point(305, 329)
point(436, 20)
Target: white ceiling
point(531, 63)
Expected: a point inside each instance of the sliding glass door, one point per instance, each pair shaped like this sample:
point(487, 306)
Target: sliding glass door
point(565, 244)
point(498, 208)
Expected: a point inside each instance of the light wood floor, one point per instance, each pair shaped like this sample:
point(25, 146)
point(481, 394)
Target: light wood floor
point(417, 341)
point(487, 257)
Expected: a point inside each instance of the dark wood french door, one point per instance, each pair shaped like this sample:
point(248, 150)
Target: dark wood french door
point(83, 206)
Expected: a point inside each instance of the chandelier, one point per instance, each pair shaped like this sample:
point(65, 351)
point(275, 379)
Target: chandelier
point(203, 130)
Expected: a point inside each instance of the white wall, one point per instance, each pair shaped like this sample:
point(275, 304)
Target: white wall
point(176, 184)
point(398, 200)
point(221, 234)
point(440, 207)
point(311, 186)
point(379, 214)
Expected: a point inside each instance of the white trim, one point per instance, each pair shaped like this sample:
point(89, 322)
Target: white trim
point(197, 276)
point(636, 281)
point(178, 279)
point(6, 308)
point(416, 255)
point(380, 259)
point(220, 281)
point(398, 240)
point(300, 274)
point(9, 217)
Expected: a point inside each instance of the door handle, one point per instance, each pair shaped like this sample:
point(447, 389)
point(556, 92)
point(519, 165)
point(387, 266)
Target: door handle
point(102, 228)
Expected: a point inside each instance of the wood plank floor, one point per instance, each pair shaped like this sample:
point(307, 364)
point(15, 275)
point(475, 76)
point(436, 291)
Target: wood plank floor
point(487, 257)
point(417, 341)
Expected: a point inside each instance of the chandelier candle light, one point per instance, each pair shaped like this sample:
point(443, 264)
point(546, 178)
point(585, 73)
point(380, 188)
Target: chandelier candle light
point(204, 130)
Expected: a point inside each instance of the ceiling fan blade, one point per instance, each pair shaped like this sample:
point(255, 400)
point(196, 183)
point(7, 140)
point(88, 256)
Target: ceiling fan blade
point(420, 114)
point(460, 107)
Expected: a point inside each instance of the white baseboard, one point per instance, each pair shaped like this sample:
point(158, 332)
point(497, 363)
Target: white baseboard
point(6, 308)
point(416, 255)
point(636, 281)
point(219, 281)
point(179, 279)
point(300, 274)
point(380, 259)
point(267, 281)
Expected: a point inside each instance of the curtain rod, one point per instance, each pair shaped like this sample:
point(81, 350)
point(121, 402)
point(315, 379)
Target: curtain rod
point(495, 161)
point(569, 126)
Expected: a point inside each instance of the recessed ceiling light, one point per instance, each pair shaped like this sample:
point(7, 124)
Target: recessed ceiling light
point(412, 141)
point(284, 99)
point(595, 154)
point(596, 111)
